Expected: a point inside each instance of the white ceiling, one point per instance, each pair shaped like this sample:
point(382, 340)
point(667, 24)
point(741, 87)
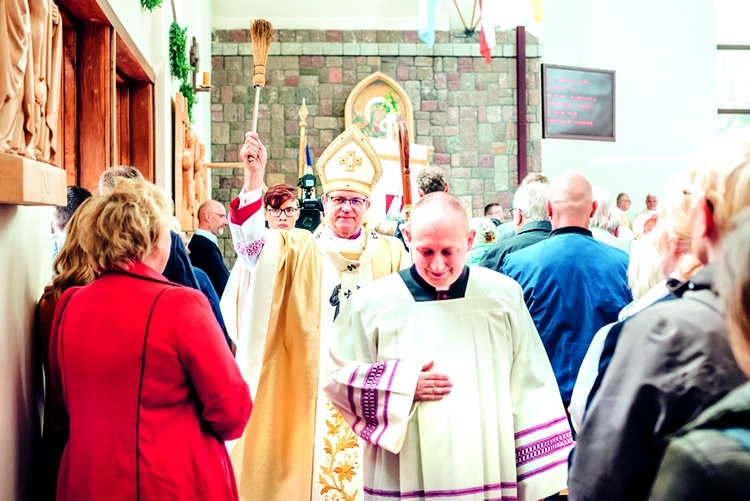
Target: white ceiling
point(337, 14)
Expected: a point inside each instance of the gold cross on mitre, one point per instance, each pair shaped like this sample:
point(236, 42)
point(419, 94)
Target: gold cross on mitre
point(351, 160)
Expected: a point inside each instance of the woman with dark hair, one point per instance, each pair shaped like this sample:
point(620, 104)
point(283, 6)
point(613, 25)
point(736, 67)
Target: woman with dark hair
point(149, 390)
point(280, 206)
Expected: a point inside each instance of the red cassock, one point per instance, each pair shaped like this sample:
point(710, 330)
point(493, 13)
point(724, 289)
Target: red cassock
point(150, 389)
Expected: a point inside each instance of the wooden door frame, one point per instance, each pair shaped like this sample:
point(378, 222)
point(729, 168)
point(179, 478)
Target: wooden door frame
point(105, 50)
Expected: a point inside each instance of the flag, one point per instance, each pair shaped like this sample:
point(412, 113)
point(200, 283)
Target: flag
point(426, 21)
point(487, 28)
point(507, 15)
point(308, 155)
point(538, 10)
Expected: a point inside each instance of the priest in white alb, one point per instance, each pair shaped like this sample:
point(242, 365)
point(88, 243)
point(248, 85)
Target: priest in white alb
point(279, 306)
point(439, 369)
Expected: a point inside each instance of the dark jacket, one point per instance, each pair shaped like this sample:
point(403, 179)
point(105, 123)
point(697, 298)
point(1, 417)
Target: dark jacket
point(705, 460)
point(204, 254)
point(530, 233)
point(180, 271)
point(672, 362)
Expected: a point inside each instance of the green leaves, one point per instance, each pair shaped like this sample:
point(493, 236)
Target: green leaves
point(179, 64)
point(151, 4)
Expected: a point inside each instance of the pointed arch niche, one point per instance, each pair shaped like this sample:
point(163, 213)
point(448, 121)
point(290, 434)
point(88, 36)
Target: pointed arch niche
point(363, 106)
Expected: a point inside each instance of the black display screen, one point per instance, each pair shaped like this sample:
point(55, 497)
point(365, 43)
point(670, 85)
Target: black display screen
point(578, 103)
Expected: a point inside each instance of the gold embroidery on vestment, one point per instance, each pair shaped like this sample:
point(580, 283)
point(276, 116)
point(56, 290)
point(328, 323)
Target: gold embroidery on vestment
point(342, 454)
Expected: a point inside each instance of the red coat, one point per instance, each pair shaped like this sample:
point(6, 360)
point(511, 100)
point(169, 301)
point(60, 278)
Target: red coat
point(151, 390)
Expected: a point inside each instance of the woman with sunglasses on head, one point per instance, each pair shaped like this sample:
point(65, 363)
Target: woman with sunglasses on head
point(280, 206)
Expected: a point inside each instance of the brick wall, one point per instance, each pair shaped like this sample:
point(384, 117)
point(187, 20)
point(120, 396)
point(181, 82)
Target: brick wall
point(463, 107)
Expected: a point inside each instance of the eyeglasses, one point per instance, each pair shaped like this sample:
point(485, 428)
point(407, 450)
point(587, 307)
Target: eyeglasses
point(341, 201)
point(514, 209)
point(288, 212)
point(221, 216)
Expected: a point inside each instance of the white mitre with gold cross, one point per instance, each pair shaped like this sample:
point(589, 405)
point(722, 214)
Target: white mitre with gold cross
point(349, 163)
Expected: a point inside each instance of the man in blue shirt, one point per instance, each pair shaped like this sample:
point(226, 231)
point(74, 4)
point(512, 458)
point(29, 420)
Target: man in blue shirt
point(573, 285)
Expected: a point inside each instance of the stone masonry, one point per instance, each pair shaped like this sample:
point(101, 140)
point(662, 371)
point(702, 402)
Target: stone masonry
point(463, 107)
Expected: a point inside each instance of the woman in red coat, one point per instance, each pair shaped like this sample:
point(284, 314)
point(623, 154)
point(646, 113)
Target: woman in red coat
point(150, 388)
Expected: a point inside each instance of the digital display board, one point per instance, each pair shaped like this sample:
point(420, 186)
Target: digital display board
point(578, 103)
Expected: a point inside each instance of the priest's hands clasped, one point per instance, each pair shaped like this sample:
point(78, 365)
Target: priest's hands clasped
point(430, 385)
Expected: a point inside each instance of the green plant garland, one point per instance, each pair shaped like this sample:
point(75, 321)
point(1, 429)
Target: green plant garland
point(179, 64)
point(186, 89)
point(151, 4)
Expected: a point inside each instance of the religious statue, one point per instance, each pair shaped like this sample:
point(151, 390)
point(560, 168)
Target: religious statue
point(188, 172)
point(30, 75)
point(201, 179)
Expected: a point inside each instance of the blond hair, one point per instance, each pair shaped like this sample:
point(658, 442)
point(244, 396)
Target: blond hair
point(674, 212)
point(733, 280)
point(125, 225)
point(721, 172)
point(644, 266)
point(72, 266)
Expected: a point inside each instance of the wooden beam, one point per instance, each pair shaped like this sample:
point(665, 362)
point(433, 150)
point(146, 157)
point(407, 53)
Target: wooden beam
point(95, 94)
point(68, 134)
point(29, 182)
point(142, 150)
point(223, 165)
point(101, 12)
point(123, 124)
point(130, 61)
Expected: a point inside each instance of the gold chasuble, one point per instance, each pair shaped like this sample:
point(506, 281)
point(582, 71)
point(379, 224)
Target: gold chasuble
point(270, 458)
point(279, 306)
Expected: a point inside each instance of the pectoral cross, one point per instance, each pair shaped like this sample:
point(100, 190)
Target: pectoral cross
point(351, 161)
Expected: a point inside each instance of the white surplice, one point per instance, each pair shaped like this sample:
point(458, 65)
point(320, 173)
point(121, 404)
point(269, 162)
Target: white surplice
point(501, 433)
point(296, 445)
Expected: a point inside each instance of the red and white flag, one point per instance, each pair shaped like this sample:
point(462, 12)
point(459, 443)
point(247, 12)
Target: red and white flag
point(489, 11)
point(506, 15)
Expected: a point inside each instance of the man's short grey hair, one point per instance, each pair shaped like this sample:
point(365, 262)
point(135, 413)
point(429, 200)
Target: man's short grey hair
point(532, 199)
point(431, 179)
point(109, 177)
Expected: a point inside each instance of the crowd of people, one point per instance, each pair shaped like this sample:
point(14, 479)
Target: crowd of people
point(439, 356)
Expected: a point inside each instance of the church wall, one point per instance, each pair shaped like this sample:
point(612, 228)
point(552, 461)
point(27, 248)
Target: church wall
point(666, 88)
point(25, 268)
point(25, 263)
point(150, 32)
point(463, 107)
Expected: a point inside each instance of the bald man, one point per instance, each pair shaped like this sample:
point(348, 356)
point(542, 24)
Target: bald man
point(204, 246)
point(573, 285)
point(439, 369)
